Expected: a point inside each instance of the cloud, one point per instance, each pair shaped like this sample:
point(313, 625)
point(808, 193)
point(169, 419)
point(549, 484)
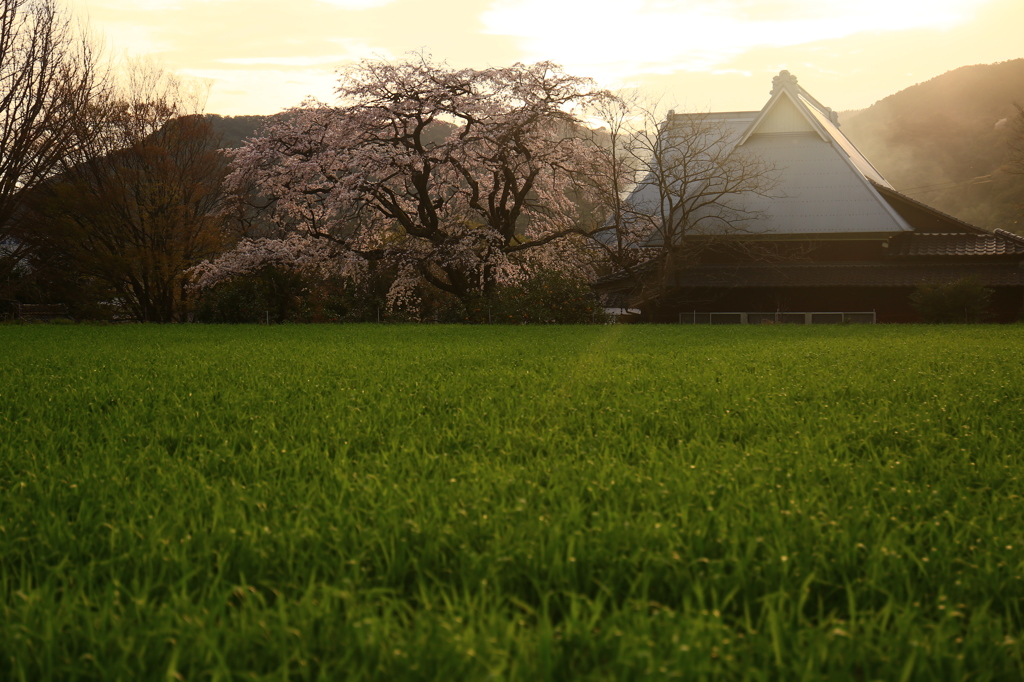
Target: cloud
point(708, 51)
point(849, 72)
point(244, 91)
point(286, 61)
point(308, 37)
point(354, 50)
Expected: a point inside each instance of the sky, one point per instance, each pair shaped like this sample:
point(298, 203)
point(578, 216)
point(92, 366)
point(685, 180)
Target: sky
point(262, 56)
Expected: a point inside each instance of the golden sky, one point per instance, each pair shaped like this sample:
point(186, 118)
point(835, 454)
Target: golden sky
point(266, 55)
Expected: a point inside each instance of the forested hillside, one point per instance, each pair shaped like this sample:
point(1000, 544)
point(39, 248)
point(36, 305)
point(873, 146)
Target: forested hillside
point(946, 142)
point(234, 130)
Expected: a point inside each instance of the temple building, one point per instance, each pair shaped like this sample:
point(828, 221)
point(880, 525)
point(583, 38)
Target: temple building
point(827, 240)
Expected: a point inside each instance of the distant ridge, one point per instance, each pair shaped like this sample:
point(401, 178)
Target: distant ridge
point(945, 142)
point(235, 130)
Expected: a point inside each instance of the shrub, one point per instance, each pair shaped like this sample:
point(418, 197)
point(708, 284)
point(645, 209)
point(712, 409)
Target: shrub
point(270, 293)
point(547, 298)
point(964, 300)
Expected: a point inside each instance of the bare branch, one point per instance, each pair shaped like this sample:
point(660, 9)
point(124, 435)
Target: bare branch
point(50, 76)
point(139, 202)
point(691, 188)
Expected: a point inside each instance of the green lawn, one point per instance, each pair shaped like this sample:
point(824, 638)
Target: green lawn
point(526, 503)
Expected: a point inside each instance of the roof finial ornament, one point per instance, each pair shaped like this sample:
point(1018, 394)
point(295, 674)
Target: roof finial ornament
point(782, 80)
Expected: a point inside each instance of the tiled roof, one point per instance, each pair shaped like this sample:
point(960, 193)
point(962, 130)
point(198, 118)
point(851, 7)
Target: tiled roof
point(847, 275)
point(1001, 243)
point(1009, 235)
point(922, 217)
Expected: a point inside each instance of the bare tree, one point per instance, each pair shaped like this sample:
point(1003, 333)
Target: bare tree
point(140, 203)
point(696, 183)
point(693, 189)
point(50, 74)
point(619, 236)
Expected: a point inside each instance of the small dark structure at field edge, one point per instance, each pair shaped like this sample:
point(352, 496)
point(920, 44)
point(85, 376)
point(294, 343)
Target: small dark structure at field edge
point(13, 310)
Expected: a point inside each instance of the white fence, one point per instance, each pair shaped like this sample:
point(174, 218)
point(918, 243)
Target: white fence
point(779, 318)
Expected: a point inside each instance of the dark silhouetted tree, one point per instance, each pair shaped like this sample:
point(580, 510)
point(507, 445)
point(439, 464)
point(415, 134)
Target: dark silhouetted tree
point(50, 77)
point(141, 203)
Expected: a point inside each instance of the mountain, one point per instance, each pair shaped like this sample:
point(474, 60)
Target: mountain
point(234, 130)
point(946, 142)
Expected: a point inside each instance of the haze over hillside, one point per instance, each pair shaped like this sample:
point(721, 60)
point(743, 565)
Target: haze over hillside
point(945, 142)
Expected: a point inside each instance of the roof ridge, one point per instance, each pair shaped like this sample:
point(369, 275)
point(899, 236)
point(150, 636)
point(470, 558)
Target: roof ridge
point(777, 93)
point(951, 234)
point(1006, 234)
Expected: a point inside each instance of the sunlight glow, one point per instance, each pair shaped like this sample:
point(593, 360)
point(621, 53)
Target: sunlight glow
point(358, 4)
point(615, 38)
point(266, 55)
point(240, 91)
point(330, 59)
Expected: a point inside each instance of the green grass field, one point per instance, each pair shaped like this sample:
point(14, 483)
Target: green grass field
point(524, 503)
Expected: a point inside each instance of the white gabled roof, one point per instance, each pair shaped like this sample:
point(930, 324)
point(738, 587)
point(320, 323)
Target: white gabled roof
point(783, 113)
point(830, 124)
point(825, 185)
point(791, 102)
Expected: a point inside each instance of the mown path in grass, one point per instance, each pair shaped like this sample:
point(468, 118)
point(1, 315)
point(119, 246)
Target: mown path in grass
point(528, 503)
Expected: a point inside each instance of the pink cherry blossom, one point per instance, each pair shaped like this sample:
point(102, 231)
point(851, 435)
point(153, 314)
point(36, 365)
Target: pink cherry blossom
point(464, 179)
